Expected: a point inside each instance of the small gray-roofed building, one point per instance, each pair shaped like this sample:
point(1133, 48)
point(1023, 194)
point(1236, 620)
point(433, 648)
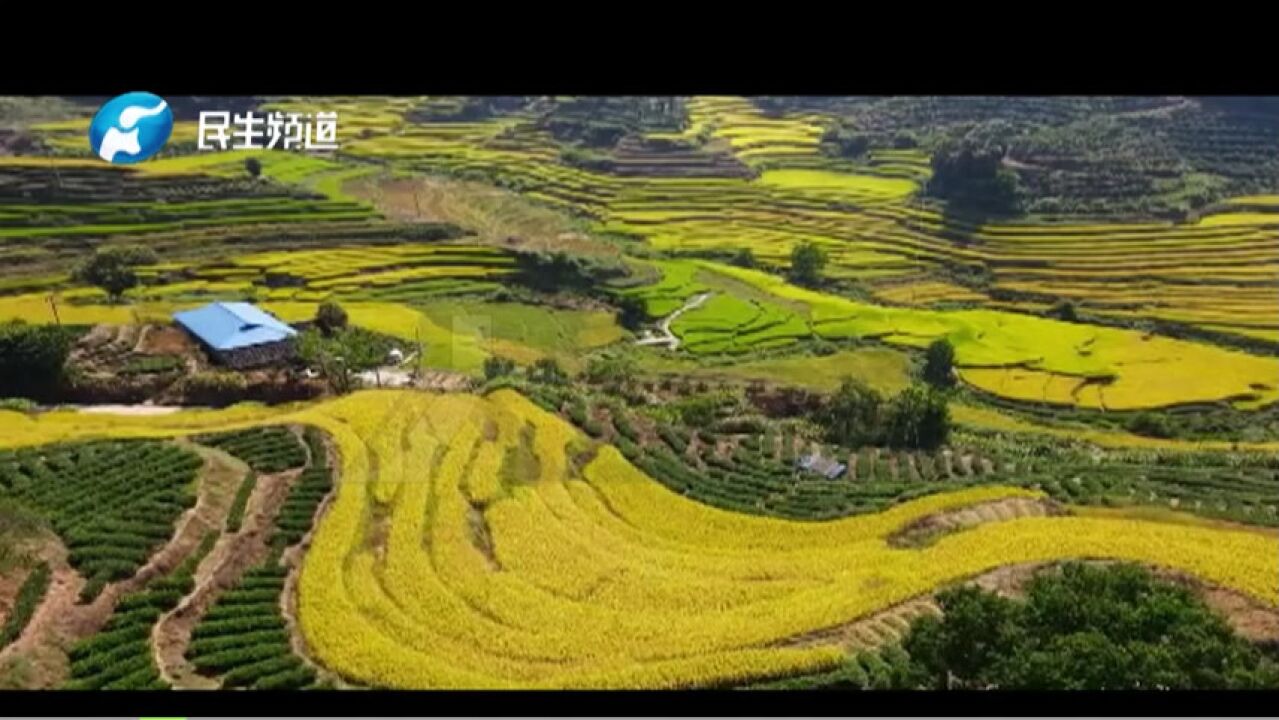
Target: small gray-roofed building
point(239, 334)
point(824, 466)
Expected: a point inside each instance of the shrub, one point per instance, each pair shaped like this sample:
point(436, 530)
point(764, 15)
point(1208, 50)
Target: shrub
point(1064, 310)
point(744, 258)
point(496, 366)
point(216, 387)
point(1151, 425)
point(17, 405)
point(548, 371)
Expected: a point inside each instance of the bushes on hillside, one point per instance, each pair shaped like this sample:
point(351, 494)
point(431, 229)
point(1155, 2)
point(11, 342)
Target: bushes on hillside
point(969, 171)
point(32, 359)
point(1083, 628)
point(215, 388)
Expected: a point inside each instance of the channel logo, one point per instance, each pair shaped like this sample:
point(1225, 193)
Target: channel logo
point(130, 128)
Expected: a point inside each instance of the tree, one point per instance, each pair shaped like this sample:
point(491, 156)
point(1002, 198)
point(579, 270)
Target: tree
point(917, 417)
point(496, 366)
point(330, 317)
point(745, 258)
point(112, 268)
point(32, 358)
point(253, 166)
point(851, 416)
point(806, 263)
point(342, 356)
point(547, 370)
point(939, 364)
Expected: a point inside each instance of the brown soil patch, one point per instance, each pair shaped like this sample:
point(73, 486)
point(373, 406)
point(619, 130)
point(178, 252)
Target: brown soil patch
point(928, 529)
point(494, 215)
point(880, 628)
point(165, 340)
point(481, 538)
point(60, 620)
point(1249, 617)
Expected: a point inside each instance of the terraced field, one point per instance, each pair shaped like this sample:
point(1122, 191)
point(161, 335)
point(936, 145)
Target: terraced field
point(861, 214)
point(1010, 355)
point(492, 607)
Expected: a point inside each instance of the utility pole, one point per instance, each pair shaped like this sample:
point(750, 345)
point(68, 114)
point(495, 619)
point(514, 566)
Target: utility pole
point(53, 305)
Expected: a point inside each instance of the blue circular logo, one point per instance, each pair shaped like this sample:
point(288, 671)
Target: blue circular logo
point(130, 128)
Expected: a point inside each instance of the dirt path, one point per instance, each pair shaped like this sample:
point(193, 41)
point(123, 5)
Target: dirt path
point(667, 337)
point(60, 620)
point(222, 569)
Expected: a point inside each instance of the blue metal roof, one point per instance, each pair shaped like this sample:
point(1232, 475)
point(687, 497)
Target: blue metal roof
point(233, 325)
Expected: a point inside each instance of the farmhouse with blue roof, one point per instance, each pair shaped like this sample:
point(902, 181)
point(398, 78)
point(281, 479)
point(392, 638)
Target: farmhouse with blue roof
point(238, 334)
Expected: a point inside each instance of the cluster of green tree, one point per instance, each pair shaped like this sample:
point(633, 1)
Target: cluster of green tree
point(559, 270)
point(1083, 628)
point(969, 171)
point(856, 415)
point(586, 158)
point(546, 371)
point(841, 140)
point(599, 121)
point(112, 268)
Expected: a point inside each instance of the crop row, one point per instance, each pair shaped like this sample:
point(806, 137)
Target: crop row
point(266, 449)
point(113, 503)
point(119, 656)
point(243, 638)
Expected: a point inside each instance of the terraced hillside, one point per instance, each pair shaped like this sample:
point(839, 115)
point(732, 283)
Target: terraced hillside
point(491, 607)
point(611, 490)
